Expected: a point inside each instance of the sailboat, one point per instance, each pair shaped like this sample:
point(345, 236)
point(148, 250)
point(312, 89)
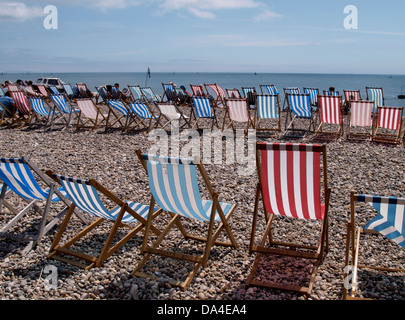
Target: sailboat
point(401, 96)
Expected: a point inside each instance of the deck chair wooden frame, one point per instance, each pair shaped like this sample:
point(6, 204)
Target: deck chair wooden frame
point(389, 124)
point(90, 116)
point(202, 108)
point(387, 223)
point(118, 114)
point(237, 111)
point(22, 176)
point(298, 108)
point(85, 196)
point(267, 109)
point(293, 166)
point(360, 120)
point(214, 212)
point(220, 94)
point(141, 112)
point(329, 113)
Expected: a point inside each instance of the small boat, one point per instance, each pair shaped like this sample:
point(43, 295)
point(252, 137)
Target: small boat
point(401, 96)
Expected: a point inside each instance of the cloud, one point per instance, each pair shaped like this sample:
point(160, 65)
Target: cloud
point(267, 15)
point(17, 11)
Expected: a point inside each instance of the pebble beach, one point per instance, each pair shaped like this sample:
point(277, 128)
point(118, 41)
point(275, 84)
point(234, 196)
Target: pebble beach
point(109, 157)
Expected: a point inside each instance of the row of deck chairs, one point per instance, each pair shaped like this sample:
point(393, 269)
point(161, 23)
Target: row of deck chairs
point(300, 168)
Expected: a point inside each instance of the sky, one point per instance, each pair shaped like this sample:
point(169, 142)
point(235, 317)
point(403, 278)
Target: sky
point(280, 36)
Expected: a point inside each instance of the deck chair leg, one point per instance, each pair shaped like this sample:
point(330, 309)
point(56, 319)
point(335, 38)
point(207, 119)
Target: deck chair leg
point(45, 214)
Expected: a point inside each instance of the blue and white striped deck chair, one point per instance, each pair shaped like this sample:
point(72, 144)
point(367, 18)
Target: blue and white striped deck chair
point(313, 95)
point(69, 94)
point(64, 108)
point(203, 109)
point(85, 196)
point(268, 89)
point(42, 112)
point(136, 94)
point(389, 222)
point(118, 113)
point(299, 107)
point(169, 92)
point(54, 90)
point(267, 113)
point(289, 90)
point(174, 186)
point(331, 93)
point(140, 113)
point(27, 181)
point(150, 96)
point(249, 94)
point(376, 95)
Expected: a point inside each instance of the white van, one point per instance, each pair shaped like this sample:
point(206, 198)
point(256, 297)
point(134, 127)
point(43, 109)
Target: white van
point(51, 82)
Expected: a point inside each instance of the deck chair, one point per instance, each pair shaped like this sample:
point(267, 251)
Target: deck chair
point(22, 113)
point(46, 115)
point(87, 195)
point(388, 223)
point(389, 124)
point(170, 113)
point(268, 89)
point(360, 120)
point(203, 109)
point(237, 111)
point(102, 92)
point(249, 93)
point(220, 95)
point(140, 113)
point(292, 183)
point(90, 116)
point(350, 95)
point(313, 95)
point(12, 87)
point(299, 108)
point(198, 90)
point(377, 95)
point(233, 93)
point(84, 91)
point(169, 93)
point(68, 92)
point(68, 113)
point(287, 91)
point(27, 182)
point(136, 94)
point(267, 113)
point(150, 95)
point(331, 93)
point(118, 114)
point(181, 201)
point(330, 115)
point(6, 114)
point(54, 90)
point(42, 90)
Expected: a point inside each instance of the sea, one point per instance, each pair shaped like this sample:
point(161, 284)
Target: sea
point(393, 85)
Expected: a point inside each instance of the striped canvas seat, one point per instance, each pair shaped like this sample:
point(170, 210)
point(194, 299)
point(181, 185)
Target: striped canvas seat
point(300, 105)
point(388, 222)
point(249, 94)
point(136, 93)
point(61, 103)
point(90, 115)
point(85, 196)
point(49, 114)
point(233, 93)
point(25, 180)
point(197, 90)
point(313, 95)
point(150, 95)
point(360, 117)
point(169, 92)
point(202, 107)
point(170, 113)
point(237, 111)
point(267, 107)
point(141, 110)
point(269, 89)
point(331, 93)
point(220, 94)
point(299, 108)
point(389, 124)
point(175, 188)
point(330, 113)
point(352, 95)
point(21, 102)
point(292, 183)
point(376, 95)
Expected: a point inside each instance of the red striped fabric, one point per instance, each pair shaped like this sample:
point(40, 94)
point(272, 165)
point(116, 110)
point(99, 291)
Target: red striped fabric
point(361, 113)
point(352, 95)
point(290, 175)
point(238, 110)
point(389, 117)
point(330, 109)
point(21, 102)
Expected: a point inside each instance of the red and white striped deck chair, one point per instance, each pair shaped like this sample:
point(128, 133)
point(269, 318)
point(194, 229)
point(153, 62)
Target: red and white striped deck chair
point(360, 120)
point(42, 90)
point(220, 94)
point(237, 111)
point(197, 90)
point(330, 115)
point(292, 183)
point(350, 95)
point(233, 93)
point(22, 106)
point(389, 124)
point(13, 88)
point(90, 115)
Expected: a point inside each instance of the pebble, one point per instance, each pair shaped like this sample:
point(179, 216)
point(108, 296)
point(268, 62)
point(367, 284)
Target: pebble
point(110, 158)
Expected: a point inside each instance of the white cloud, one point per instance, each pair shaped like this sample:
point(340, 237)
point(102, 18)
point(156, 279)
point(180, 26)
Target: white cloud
point(267, 15)
point(11, 11)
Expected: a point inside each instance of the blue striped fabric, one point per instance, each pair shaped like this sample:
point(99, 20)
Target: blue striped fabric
point(202, 107)
point(267, 106)
point(330, 93)
point(272, 89)
point(376, 95)
point(174, 185)
point(103, 92)
point(292, 90)
point(141, 110)
point(86, 197)
point(38, 105)
point(60, 101)
point(114, 92)
point(1, 92)
point(300, 105)
point(136, 92)
point(16, 174)
point(68, 89)
point(148, 92)
point(313, 95)
point(390, 220)
point(118, 105)
point(54, 90)
point(169, 91)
